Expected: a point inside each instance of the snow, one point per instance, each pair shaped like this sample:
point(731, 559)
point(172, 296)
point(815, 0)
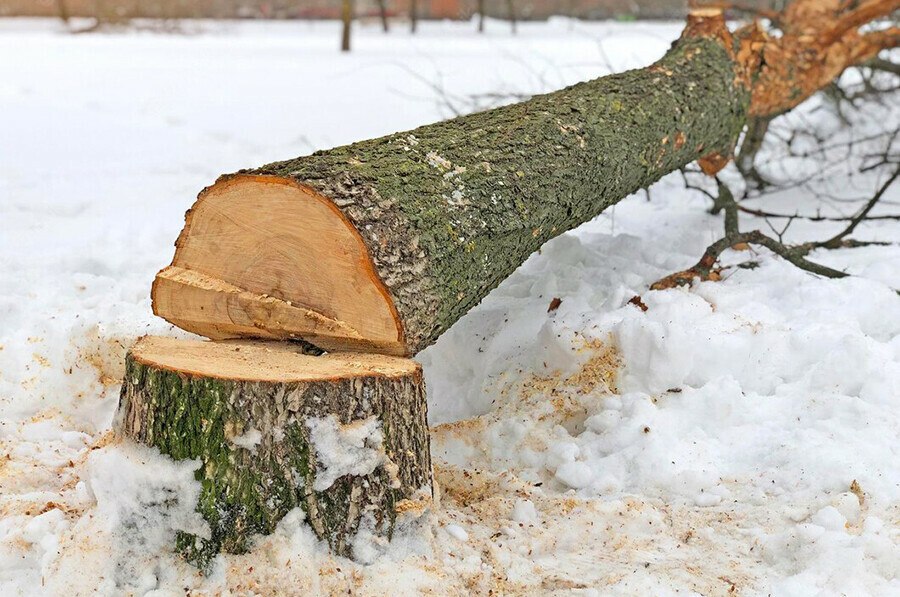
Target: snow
point(456, 532)
point(110, 532)
point(352, 449)
point(248, 440)
point(524, 512)
point(738, 435)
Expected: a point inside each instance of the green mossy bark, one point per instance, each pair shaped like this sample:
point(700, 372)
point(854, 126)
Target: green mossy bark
point(246, 492)
point(449, 210)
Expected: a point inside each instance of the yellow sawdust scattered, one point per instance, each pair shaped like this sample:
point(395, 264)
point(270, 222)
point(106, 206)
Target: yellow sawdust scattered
point(598, 372)
point(106, 355)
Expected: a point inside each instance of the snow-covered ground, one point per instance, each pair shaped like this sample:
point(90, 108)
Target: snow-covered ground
point(737, 437)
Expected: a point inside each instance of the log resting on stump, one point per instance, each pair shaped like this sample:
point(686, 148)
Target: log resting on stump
point(382, 245)
point(343, 436)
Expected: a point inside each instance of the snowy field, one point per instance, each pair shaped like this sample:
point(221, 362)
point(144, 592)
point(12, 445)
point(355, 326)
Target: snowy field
point(736, 438)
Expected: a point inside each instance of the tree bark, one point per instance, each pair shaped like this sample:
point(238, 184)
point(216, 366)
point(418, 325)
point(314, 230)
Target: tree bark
point(442, 214)
point(346, 24)
point(447, 211)
point(260, 416)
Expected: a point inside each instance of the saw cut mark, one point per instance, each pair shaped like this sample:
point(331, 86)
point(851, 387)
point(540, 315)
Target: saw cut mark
point(267, 257)
point(257, 360)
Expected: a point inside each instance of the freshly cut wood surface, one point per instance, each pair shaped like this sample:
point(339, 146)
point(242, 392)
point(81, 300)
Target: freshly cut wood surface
point(271, 258)
point(248, 360)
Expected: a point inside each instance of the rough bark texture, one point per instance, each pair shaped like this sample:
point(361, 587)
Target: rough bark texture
point(451, 209)
point(247, 491)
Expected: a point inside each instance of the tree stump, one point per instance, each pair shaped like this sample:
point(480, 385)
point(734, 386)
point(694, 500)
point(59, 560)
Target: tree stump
point(343, 436)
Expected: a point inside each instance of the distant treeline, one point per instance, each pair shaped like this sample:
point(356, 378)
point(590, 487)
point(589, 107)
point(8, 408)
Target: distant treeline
point(313, 9)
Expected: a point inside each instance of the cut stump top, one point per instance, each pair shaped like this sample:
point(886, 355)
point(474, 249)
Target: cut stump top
point(249, 360)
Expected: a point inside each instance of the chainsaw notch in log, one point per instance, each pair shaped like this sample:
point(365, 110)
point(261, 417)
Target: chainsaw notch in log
point(343, 436)
point(294, 267)
point(382, 245)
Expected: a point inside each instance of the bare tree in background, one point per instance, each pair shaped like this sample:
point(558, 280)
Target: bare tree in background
point(118, 15)
point(745, 160)
point(104, 15)
point(511, 9)
point(413, 15)
point(347, 21)
point(63, 11)
point(480, 16)
point(853, 145)
point(382, 10)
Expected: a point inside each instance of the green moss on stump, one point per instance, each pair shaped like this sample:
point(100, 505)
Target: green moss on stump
point(246, 492)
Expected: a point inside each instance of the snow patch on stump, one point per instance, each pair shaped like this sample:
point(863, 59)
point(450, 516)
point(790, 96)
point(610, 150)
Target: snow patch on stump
point(356, 448)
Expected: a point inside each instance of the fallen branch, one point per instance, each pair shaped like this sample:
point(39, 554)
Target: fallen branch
point(818, 218)
point(836, 240)
point(706, 268)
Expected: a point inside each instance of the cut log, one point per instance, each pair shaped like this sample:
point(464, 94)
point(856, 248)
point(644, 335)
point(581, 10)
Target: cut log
point(343, 436)
point(384, 244)
point(276, 260)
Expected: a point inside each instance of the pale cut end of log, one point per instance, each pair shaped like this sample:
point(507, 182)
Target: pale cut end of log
point(707, 21)
point(267, 257)
point(344, 436)
point(706, 12)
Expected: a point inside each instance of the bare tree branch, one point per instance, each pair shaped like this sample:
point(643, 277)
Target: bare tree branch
point(835, 241)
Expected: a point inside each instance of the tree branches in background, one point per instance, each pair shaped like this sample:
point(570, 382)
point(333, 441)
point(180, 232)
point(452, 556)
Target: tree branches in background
point(782, 156)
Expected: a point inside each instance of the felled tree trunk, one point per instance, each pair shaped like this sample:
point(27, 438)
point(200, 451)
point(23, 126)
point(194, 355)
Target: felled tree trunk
point(343, 436)
point(382, 245)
